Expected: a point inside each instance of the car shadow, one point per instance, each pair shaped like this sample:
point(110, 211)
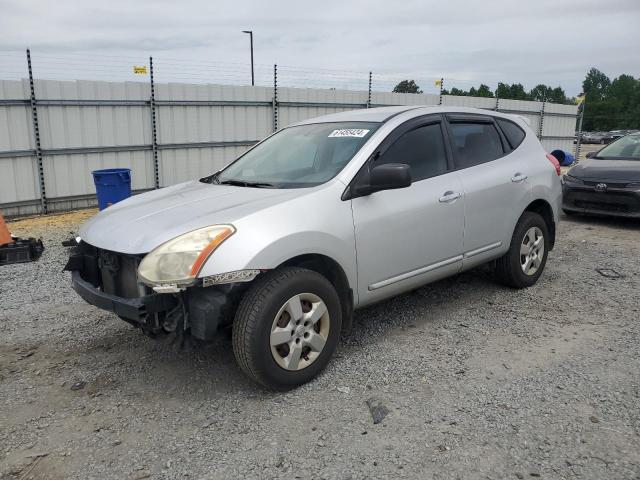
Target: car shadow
point(603, 221)
point(192, 369)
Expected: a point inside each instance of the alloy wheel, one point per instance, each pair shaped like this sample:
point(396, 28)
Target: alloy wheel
point(532, 251)
point(299, 331)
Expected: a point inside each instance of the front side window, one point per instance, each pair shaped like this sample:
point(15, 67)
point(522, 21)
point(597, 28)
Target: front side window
point(422, 149)
point(475, 143)
point(299, 156)
point(626, 148)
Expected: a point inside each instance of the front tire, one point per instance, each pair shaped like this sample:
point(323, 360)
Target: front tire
point(287, 327)
point(523, 264)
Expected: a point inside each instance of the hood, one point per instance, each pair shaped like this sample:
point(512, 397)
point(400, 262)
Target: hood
point(142, 222)
point(612, 170)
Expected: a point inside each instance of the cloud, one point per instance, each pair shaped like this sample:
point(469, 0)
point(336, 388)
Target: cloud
point(466, 41)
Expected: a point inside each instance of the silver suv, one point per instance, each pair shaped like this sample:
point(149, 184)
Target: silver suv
point(323, 217)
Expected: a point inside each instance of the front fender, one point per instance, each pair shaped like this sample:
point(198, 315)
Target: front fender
point(252, 253)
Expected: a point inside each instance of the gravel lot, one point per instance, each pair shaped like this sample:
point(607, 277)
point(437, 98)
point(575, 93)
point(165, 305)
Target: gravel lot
point(480, 381)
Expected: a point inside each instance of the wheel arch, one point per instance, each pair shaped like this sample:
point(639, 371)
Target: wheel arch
point(543, 208)
point(332, 271)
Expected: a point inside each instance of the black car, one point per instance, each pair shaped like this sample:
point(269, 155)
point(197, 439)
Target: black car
point(607, 183)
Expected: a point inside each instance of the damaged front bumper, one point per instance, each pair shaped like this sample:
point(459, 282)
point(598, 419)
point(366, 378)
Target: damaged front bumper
point(108, 280)
point(133, 309)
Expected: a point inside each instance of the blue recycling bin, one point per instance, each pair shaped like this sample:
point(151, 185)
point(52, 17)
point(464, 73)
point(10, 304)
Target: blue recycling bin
point(564, 158)
point(112, 185)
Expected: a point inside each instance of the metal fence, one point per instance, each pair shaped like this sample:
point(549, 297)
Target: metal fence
point(53, 133)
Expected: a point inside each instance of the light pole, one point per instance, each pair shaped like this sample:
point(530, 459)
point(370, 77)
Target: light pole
point(250, 32)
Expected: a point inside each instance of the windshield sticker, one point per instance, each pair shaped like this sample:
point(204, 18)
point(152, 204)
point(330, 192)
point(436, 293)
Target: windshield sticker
point(349, 132)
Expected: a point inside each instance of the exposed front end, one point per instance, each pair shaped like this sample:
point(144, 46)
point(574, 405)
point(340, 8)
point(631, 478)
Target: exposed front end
point(110, 281)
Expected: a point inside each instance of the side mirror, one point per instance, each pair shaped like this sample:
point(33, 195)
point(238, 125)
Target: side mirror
point(591, 154)
point(390, 176)
point(383, 177)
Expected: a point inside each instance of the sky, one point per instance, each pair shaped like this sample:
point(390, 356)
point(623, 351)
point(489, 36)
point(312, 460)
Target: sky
point(325, 43)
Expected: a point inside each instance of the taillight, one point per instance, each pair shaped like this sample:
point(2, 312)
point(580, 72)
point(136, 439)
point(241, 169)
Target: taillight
point(554, 161)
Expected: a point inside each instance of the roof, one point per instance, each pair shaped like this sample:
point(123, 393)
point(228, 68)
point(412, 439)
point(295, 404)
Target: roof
point(381, 114)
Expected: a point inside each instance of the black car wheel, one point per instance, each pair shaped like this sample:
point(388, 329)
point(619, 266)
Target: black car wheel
point(287, 327)
point(523, 264)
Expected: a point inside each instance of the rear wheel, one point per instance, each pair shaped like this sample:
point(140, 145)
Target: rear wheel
point(523, 264)
point(287, 327)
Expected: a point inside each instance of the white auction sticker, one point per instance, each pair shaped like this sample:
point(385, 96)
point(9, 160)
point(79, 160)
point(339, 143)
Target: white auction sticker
point(349, 132)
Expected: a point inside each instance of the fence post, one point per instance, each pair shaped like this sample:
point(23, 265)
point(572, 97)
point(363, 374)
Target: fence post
point(36, 136)
point(369, 96)
point(544, 103)
point(275, 97)
point(441, 88)
point(579, 139)
point(154, 130)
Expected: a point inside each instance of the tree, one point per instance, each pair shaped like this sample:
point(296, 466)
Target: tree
point(611, 104)
point(407, 86)
point(459, 92)
point(540, 93)
point(544, 93)
point(484, 91)
point(558, 96)
point(595, 85)
point(503, 90)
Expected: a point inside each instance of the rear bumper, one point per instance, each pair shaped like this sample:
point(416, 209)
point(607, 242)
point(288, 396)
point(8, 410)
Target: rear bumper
point(134, 309)
point(617, 202)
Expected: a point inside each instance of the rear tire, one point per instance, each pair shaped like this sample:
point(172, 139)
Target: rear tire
point(523, 264)
point(287, 327)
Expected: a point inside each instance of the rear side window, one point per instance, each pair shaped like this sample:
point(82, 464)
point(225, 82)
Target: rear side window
point(514, 134)
point(422, 149)
point(475, 143)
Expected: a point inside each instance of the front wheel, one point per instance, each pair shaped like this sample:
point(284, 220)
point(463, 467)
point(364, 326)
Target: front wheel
point(523, 264)
point(287, 327)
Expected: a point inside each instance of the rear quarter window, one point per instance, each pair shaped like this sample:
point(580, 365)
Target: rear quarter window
point(515, 135)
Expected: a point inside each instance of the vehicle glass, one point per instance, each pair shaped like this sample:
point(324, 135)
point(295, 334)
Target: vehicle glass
point(626, 148)
point(300, 156)
point(515, 135)
point(422, 149)
point(475, 143)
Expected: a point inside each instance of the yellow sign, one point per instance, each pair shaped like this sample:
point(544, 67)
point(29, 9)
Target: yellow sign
point(438, 83)
point(140, 70)
point(580, 99)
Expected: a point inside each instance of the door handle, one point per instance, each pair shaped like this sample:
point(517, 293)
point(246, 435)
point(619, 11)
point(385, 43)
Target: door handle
point(518, 178)
point(450, 197)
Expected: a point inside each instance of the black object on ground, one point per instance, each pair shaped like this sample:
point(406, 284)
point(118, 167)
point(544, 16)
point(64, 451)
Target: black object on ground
point(609, 273)
point(21, 250)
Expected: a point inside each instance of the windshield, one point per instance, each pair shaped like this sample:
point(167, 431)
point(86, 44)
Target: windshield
point(301, 156)
point(626, 148)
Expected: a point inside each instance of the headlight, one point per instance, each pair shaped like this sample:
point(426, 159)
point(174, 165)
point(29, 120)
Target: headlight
point(572, 179)
point(179, 260)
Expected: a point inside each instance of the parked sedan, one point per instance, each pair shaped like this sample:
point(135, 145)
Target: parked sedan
point(321, 218)
point(608, 182)
point(596, 137)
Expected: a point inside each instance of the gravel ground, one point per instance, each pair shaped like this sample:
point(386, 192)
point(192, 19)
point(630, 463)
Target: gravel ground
point(479, 381)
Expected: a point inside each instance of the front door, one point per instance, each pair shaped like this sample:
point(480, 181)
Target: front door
point(410, 236)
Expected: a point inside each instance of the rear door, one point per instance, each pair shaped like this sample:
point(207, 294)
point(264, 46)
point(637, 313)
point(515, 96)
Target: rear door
point(494, 181)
